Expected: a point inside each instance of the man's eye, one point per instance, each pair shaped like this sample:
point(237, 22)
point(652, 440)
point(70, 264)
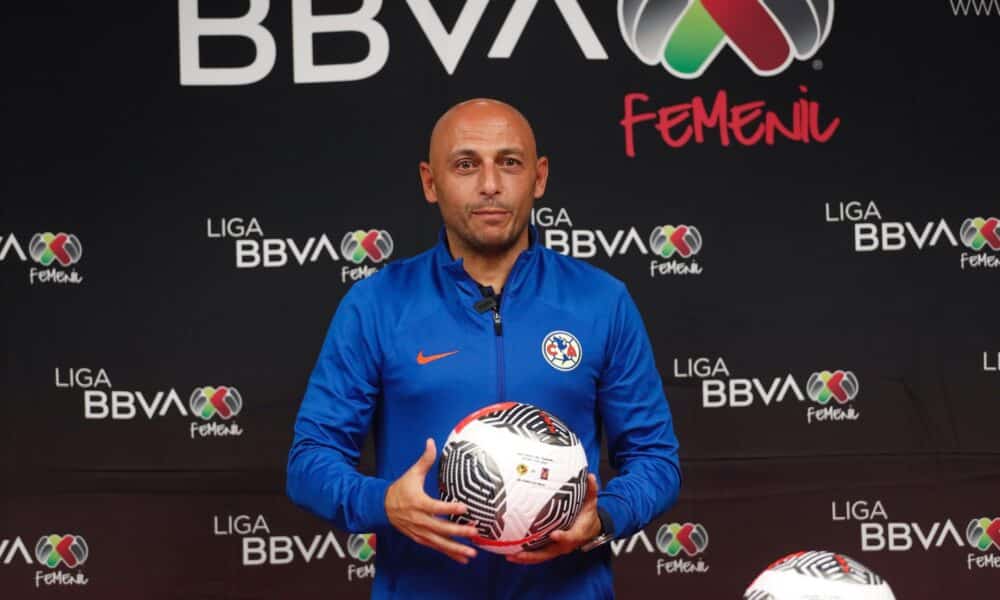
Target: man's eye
point(511, 162)
point(464, 164)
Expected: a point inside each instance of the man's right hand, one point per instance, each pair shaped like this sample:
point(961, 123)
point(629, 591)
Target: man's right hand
point(414, 513)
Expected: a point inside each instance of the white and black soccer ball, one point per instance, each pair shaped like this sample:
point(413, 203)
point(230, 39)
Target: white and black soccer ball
point(521, 472)
point(818, 575)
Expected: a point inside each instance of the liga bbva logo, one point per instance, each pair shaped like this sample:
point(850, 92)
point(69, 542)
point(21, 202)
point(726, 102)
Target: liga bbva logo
point(259, 545)
point(685, 36)
point(52, 551)
point(833, 390)
point(873, 233)
point(55, 252)
point(254, 249)
point(880, 533)
point(678, 541)
point(216, 406)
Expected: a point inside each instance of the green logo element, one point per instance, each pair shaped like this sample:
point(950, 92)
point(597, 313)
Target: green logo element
point(361, 546)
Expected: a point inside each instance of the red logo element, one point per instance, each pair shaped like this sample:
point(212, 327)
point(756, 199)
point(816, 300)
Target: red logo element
point(994, 532)
point(748, 124)
point(684, 537)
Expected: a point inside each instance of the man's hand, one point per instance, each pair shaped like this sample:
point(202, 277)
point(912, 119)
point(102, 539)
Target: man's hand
point(413, 512)
point(586, 527)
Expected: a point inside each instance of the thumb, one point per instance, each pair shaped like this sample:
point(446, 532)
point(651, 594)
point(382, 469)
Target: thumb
point(426, 460)
point(591, 487)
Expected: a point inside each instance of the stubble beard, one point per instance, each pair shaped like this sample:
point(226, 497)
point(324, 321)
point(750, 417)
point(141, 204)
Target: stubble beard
point(491, 248)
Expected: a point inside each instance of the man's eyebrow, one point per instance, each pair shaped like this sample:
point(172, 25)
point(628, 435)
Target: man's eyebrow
point(469, 152)
point(462, 152)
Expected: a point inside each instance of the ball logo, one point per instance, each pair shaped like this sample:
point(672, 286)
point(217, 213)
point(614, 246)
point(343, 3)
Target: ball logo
point(374, 244)
point(983, 533)
point(208, 401)
point(361, 546)
point(669, 240)
point(979, 232)
point(841, 386)
point(46, 248)
point(685, 36)
point(70, 550)
point(692, 538)
point(562, 350)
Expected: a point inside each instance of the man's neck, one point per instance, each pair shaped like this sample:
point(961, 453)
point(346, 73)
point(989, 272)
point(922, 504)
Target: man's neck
point(488, 269)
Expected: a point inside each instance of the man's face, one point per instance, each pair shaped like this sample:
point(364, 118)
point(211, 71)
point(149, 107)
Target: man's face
point(484, 175)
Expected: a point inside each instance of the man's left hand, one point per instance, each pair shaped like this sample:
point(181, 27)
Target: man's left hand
point(586, 527)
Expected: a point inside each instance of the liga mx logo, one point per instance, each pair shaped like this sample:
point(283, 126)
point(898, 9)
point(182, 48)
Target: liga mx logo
point(825, 386)
point(374, 244)
point(668, 240)
point(46, 248)
point(562, 350)
point(983, 533)
point(979, 232)
point(225, 401)
point(691, 538)
point(71, 550)
point(685, 36)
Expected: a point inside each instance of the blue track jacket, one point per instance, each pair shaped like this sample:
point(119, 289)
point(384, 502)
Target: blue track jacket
point(368, 375)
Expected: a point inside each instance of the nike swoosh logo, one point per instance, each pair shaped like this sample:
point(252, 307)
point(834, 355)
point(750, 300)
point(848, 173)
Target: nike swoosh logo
point(423, 360)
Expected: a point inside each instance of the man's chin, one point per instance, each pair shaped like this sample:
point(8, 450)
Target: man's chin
point(494, 244)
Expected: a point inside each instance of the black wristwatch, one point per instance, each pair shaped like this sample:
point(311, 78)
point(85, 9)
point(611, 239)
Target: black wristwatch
point(607, 532)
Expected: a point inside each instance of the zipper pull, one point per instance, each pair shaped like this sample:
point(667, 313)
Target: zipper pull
point(497, 323)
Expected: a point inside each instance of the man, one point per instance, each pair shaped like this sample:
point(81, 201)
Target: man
point(428, 340)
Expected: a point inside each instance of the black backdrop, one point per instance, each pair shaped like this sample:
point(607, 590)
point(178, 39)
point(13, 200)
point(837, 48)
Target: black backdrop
point(103, 142)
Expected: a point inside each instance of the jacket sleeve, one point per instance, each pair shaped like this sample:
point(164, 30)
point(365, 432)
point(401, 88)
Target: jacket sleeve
point(333, 420)
point(642, 445)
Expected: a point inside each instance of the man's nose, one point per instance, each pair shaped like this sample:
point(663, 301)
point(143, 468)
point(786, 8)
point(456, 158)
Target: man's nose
point(489, 184)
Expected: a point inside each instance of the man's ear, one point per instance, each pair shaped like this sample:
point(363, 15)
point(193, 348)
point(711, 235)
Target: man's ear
point(541, 176)
point(427, 182)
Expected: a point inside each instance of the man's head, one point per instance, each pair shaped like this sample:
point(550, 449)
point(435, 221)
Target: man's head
point(484, 174)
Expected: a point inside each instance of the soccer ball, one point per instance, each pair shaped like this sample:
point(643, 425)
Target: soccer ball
point(521, 472)
point(818, 575)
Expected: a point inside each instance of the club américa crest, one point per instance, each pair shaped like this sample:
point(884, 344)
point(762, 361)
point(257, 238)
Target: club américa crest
point(562, 350)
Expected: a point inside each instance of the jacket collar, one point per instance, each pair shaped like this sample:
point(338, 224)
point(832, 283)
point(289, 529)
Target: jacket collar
point(526, 262)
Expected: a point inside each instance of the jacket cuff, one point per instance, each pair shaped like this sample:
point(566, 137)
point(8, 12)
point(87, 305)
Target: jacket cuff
point(373, 504)
point(617, 511)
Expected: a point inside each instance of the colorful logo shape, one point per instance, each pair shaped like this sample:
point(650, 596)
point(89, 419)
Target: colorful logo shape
point(978, 233)
point(692, 538)
point(46, 248)
point(824, 386)
point(374, 244)
point(983, 533)
point(361, 546)
point(668, 240)
point(685, 36)
point(70, 550)
point(562, 350)
point(225, 401)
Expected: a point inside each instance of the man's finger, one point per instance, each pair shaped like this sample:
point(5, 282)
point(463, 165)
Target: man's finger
point(537, 556)
point(449, 529)
point(592, 487)
point(560, 536)
point(457, 551)
point(437, 507)
point(426, 460)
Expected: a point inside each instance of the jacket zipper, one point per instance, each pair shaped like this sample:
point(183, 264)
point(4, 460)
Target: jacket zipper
point(498, 334)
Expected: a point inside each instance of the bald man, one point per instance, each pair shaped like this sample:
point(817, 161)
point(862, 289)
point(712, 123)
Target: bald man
point(428, 340)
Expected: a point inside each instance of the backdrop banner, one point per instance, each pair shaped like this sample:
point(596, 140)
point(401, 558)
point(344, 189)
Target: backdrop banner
point(800, 196)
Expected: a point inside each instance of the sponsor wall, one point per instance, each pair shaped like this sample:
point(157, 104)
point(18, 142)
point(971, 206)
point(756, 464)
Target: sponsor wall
point(801, 197)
